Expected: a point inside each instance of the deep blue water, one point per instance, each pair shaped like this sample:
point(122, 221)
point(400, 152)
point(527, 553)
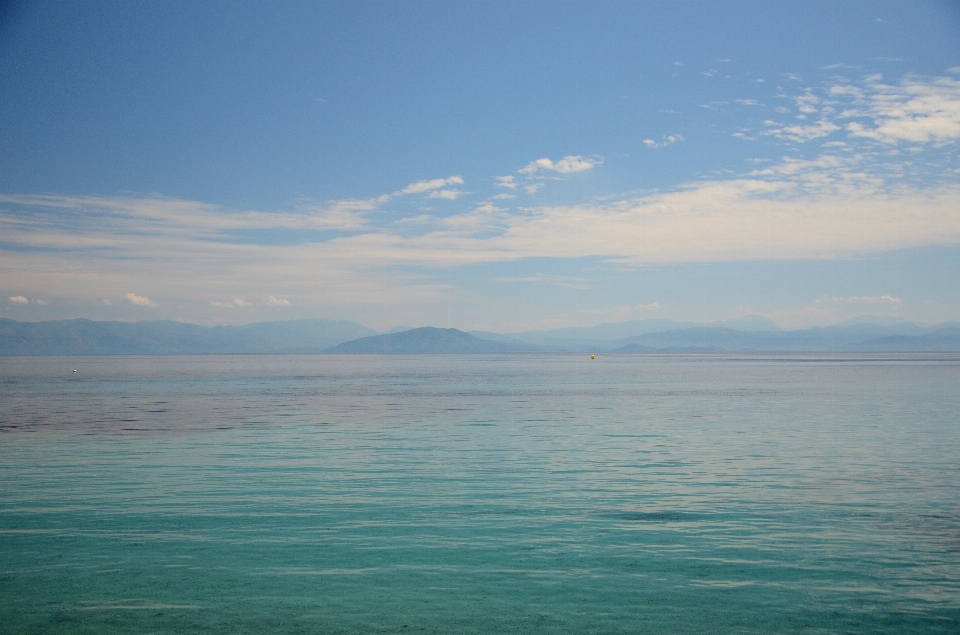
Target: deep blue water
point(813, 493)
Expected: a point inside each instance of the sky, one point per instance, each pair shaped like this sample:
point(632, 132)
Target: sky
point(489, 165)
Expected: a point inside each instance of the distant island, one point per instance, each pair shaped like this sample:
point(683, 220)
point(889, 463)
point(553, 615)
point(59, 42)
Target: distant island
point(427, 339)
point(753, 333)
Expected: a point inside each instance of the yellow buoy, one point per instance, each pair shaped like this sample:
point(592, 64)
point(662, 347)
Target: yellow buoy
point(593, 357)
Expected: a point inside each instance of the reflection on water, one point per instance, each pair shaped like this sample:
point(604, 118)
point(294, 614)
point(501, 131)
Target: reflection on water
point(476, 494)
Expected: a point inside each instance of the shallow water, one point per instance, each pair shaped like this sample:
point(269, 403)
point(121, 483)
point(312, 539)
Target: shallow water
point(813, 493)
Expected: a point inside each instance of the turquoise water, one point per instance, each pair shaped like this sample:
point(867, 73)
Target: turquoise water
point(480, 494)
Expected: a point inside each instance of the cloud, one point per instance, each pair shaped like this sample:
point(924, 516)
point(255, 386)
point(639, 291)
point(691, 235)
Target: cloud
point(504, 196)
point(837, 202)
point(879, 299)
point(566, 165)
point(827, 207)
point(450, 195)
point(163, 214)
point(425, 186)
point(668, 140)
point(913, 111)
point(802, 134)
point(107, 302)
point(233, 304)
point(916, 110)
point(714, 105)
point(140, 300)
point(18, 299)
point(422, 218)
point(822, 208)
point(570, 282)
point(807, 103)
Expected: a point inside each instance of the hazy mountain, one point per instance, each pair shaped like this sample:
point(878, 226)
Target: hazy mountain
point(906, 328)
point(426, 340)
point(87, 337)
point(816, 338)
point(601, 334)
point(747, 333)
point(944, 339)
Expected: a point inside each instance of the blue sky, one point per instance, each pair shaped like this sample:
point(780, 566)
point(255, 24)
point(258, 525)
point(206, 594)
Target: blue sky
point(504, 166)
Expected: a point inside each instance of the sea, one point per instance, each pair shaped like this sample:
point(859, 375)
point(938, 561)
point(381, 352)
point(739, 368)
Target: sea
point(516, 493)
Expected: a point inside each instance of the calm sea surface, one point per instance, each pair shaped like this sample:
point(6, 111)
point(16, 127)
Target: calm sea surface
point(814, 493)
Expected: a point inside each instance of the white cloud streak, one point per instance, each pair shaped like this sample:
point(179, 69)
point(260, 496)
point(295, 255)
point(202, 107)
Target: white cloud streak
point(140, 300)
point(913, 111)
point(667, 140)
point(832, 206)
point(824, 208)
point(801, 134)
point(878, 299)
point(425, 186)
point(566, 165)
point(449, 195)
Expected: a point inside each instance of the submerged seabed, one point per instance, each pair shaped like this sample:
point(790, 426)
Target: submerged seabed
point(813, 493)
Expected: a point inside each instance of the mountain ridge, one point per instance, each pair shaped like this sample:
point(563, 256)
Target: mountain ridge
point(89, 337)
point(426, 339)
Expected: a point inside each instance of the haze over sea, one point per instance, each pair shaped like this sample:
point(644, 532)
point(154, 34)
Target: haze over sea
point(722, 493)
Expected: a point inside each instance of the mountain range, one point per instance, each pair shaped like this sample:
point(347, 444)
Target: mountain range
point(86, 337)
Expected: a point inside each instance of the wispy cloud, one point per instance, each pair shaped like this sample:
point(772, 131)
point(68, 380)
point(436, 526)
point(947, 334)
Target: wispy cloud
point(449, 195)
point(840, 201)
point(566, 165)
point(829, 207)
point(425, 186)
point(232, 304)
point(877, 299)
point(912, 111)
point(570, 282)
point(802, 134)
point(667, 140)
point(140, 300)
